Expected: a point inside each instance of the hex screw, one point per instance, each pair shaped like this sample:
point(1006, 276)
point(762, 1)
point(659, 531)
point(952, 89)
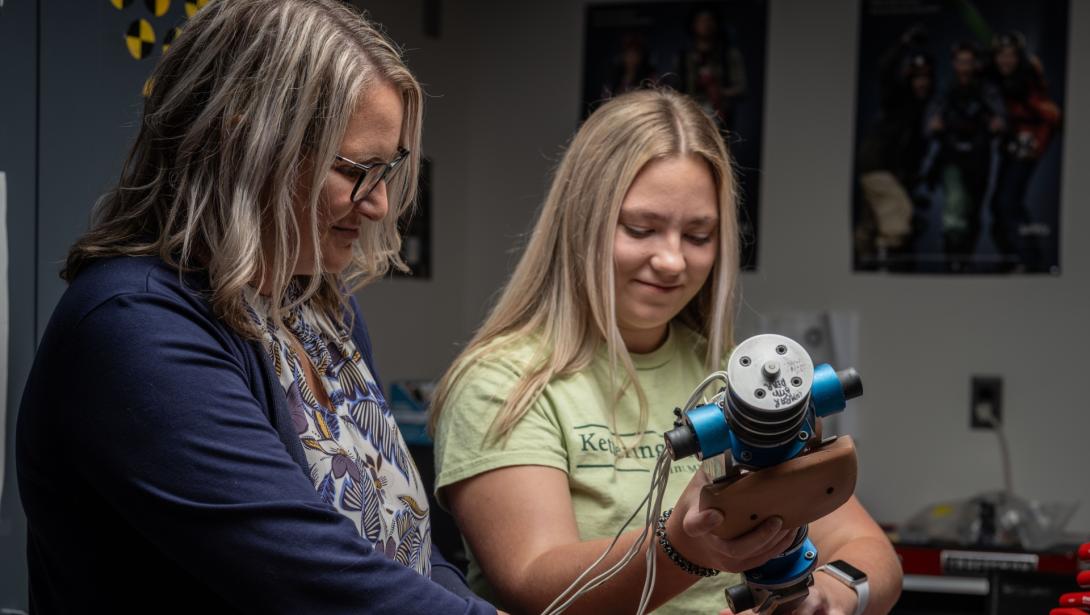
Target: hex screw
point(781, 349)
point(759, 393)
point(745, 361)
point(804, 436)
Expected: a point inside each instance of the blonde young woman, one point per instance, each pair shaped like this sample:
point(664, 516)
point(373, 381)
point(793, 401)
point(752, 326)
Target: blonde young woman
point(550, 421)
point(203, 430)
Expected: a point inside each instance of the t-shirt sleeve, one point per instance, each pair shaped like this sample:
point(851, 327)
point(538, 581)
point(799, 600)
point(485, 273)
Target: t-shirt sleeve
point(465, 446)
point(168, 431)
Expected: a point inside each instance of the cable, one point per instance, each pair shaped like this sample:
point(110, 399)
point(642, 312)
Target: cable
point(653, 500)
point(712, 377)
point(660, 476)
point(655, 512)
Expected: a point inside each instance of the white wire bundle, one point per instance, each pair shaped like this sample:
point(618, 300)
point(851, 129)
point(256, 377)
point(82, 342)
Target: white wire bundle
point(699, 390)
point(653, 500)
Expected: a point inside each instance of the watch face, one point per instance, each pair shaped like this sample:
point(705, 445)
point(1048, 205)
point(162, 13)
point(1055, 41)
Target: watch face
point(850, 571)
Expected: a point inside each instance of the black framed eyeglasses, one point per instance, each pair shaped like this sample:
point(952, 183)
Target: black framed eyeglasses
point(368, 175)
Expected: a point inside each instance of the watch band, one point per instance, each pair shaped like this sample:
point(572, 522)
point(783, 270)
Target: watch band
point(860, 586)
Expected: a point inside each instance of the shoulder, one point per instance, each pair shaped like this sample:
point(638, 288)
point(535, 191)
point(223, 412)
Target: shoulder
point(485, 379)
point(508, 357)
point(110, 278)
point(465, 443)
point(125, 302)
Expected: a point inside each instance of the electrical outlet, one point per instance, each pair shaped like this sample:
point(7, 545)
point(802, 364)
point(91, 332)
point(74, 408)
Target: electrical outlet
point(985, 402)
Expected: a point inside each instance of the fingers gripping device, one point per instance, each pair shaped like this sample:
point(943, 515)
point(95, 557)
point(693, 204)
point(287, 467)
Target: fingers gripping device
point(762, 449)
point(760, 442)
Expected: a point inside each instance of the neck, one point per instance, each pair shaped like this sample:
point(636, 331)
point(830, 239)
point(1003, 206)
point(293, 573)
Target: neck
point(263, 284)
point(643, 341)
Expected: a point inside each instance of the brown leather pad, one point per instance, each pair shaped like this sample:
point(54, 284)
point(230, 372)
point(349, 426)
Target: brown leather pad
point(801, 490)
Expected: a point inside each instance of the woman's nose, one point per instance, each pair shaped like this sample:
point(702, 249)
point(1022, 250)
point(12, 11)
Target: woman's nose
point(375, 205)
point(668, 257)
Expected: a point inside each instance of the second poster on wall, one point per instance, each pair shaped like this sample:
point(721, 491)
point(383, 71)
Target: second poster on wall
point(713, 51)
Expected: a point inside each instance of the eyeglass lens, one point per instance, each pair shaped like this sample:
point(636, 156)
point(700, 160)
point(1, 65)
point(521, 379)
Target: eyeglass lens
point(369, 180)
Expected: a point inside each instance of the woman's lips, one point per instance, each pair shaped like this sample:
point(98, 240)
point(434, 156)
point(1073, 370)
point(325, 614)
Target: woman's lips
point(658, 287)
point(348, 232)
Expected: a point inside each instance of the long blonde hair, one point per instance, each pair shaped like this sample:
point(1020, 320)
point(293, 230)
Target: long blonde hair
point(562, 291)
point(251, 95)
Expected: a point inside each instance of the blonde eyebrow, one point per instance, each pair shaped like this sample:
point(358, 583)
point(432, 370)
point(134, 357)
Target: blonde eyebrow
point(702, 220)
point(644, 215)
point(652, 216)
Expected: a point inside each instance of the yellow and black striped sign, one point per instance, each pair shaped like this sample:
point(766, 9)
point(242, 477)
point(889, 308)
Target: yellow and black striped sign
point(158, 7)
point(192, 6)
point(120, 4)
point(140, 39)
point(171, 34)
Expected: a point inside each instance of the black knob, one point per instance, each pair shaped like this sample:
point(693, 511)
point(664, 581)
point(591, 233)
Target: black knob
point(850, 383)
point(681, 442)
point(740, 598)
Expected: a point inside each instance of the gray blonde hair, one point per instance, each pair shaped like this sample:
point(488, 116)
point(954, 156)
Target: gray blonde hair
point(562, 291)
point(249, 97)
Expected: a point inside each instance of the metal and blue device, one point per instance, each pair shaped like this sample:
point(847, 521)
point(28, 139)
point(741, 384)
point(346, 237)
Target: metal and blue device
point(766, 415)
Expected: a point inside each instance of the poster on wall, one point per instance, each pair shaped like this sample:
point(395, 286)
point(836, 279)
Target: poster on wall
point(959, 124)
point(713, 51)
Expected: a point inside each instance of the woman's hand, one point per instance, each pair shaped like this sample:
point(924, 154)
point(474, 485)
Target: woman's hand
point(689, 530)
point(849, 533)
point(827, 597)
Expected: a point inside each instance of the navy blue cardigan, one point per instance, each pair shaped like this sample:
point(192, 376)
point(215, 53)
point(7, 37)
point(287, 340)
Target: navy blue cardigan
point(160, 470)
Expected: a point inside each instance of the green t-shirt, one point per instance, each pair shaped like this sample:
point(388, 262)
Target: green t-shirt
point(568, 428)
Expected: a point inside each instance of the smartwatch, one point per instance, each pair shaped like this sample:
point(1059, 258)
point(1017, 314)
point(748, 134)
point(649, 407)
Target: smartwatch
point(852, 577)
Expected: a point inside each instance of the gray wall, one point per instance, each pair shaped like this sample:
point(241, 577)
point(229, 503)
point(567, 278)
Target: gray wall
point(502, 99)
point(506, 82)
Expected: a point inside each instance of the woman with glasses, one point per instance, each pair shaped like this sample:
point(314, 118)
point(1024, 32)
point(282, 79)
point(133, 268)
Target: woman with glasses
point(203, 430)
point(549, 424)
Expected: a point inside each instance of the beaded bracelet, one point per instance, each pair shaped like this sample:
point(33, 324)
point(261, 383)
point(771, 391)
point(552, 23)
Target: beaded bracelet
point(671, 552)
